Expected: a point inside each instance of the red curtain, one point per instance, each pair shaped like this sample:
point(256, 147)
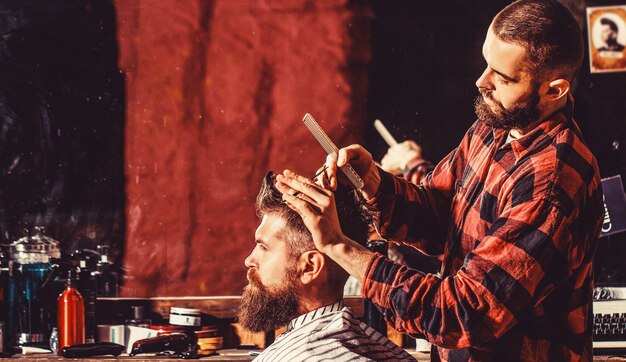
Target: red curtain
point(215, 94)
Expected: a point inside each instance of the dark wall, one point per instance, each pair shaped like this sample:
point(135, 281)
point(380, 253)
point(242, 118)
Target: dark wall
point(61, 123)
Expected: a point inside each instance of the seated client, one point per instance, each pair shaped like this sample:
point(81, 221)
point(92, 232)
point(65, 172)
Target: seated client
point(292, 284)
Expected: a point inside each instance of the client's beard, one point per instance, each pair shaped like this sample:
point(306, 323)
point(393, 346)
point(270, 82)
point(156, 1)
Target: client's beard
point(263, 309)
point(518, 117)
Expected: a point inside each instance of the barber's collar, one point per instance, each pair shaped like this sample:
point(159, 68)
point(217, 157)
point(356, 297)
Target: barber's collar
point(544, 132)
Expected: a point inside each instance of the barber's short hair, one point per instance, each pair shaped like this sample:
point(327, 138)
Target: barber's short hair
point(354, 217)
point(549, 33)
point(612, 25)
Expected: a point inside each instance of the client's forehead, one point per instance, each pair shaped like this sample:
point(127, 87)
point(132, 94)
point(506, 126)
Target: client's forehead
point(272, 229)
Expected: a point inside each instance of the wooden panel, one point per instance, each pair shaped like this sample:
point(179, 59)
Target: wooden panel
point(219, 307)
point(252, 339)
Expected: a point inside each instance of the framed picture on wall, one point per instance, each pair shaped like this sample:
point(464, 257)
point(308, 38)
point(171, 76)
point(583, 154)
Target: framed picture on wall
point(606, 26)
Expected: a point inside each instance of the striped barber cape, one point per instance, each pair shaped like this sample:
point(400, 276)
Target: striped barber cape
point(331, 333)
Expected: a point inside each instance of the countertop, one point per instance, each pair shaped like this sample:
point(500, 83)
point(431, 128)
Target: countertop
point(222, 355)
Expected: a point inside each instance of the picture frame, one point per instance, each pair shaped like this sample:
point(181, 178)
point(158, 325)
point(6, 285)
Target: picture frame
point(606, 28)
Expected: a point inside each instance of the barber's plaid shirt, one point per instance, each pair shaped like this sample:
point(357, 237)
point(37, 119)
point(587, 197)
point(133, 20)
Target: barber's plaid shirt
point(517, 224)
point(416, 170)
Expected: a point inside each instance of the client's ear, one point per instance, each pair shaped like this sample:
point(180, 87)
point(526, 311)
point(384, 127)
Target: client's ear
point(311, 264)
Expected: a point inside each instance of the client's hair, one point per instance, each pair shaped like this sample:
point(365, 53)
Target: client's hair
point(354, 218)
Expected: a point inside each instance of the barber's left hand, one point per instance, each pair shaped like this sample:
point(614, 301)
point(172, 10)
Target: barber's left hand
point(397, 156)
point(315, 205)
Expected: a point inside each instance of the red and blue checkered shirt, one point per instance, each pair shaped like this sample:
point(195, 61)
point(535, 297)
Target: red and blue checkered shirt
point(517, 225)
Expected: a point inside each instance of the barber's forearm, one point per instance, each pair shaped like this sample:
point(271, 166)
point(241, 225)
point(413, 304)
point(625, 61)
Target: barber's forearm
point(351, 256)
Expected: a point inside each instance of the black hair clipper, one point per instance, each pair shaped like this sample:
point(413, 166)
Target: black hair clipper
point(92, 349)
point(176, 343)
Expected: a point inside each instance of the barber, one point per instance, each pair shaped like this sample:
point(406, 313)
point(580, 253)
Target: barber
point(515, 210)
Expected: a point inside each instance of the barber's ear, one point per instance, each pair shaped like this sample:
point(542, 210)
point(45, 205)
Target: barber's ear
point(557, 89)
point(311, 265)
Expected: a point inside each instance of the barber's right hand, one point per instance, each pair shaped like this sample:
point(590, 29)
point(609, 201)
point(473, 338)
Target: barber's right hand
point(362, 162)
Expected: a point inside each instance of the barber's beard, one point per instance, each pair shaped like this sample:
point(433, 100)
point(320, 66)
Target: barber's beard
point(518, 117)
point(267, 308)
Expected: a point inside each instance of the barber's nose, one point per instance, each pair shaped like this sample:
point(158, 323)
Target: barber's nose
point(483, 81)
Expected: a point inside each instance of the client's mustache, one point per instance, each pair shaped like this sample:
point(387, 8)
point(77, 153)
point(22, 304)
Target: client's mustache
point(253, 278)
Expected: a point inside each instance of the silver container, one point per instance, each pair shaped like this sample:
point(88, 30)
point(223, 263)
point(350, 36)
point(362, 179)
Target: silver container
point(29, 323)
point(37, 248)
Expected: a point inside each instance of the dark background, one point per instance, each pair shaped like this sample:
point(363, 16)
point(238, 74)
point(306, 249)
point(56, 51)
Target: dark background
point(61, 123)
point(62, 106)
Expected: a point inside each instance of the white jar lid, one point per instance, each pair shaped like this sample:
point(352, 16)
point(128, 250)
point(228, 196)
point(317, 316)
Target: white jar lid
point(185, 311)
point(185, 316)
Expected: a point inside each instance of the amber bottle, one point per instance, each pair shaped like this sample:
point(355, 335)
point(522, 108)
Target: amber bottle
point(70, 314)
